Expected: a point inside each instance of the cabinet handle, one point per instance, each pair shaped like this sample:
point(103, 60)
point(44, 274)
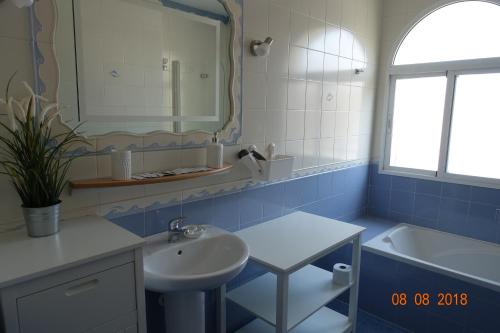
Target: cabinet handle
point(81, 288)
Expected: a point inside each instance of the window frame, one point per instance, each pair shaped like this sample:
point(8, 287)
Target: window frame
point(450, 69)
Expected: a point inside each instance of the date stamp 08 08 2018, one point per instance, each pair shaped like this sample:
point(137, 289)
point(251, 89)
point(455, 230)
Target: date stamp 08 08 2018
point(428, 299)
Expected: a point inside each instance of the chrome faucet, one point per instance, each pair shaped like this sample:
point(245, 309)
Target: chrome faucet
point(175, 229)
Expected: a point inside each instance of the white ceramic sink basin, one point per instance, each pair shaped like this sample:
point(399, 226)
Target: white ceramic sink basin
point(193, 264)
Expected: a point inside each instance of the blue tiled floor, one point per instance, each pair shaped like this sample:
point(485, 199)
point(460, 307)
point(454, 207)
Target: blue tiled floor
point(371, 324)
point(368, 323)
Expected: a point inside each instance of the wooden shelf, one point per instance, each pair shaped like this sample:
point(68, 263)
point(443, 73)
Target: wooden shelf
point(108, 182)
point(310, 288)
point(325, 320)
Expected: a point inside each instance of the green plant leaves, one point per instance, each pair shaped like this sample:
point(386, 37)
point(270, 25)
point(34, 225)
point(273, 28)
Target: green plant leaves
point(36, 165)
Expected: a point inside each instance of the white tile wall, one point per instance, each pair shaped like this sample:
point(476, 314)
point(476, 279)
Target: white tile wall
point(314, 94)
point(326, 40)
point(312, 125)
point(298, 97)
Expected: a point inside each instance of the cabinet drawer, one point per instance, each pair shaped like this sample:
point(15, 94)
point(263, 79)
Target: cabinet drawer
point(124, 324)
point(79, 305)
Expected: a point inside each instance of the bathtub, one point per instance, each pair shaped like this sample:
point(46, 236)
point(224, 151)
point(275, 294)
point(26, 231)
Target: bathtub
point(463, 258)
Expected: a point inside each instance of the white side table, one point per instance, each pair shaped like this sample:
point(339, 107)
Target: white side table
point(293, 295)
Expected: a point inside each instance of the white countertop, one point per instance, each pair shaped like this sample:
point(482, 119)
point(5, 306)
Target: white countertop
point(80, 240)
point(292, 241)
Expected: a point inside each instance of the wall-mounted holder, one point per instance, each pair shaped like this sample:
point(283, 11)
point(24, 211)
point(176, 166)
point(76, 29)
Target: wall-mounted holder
point(261, 48)
point(279, 167)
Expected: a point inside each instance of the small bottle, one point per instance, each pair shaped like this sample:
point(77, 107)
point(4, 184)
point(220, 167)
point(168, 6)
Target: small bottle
point(215, 153)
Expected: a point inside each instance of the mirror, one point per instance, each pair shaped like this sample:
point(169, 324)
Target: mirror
point(140, 66)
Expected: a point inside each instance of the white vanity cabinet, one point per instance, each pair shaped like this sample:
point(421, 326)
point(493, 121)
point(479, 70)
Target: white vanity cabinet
point(87, 278)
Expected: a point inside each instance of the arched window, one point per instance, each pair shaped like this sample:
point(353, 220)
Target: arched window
point(444, 96)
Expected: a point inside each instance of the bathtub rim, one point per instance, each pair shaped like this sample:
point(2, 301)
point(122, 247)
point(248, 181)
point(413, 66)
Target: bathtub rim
point(373, 246)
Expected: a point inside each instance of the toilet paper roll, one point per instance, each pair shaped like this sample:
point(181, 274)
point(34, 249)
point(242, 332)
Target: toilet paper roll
point(121, 164)
point(342, 274)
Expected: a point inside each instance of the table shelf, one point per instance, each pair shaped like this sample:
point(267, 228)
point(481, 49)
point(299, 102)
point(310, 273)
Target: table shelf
point(324, 320)
point(310, 288)
point(293, 295)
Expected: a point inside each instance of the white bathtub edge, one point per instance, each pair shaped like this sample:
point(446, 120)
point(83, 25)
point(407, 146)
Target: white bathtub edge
point(378, 246)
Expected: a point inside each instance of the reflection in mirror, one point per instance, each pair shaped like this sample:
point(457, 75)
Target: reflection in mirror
point(143, 65)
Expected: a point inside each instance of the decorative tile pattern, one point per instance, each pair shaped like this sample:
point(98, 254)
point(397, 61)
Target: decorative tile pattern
point(241, 205)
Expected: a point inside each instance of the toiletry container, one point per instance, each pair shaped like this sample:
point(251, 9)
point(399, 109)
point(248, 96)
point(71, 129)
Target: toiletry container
point(215, 154)
point(121, 164)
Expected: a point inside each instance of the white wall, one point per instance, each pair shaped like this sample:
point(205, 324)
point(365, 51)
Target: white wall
point(65, 53)
point(15, 48)
point(312, 108)
point(305, 97)
point(15, 55)
point(397, 17)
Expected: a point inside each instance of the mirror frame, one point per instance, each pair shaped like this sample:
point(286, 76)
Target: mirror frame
point(43, 17)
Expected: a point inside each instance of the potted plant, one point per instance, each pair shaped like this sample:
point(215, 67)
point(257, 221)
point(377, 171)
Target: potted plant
point(35, 159)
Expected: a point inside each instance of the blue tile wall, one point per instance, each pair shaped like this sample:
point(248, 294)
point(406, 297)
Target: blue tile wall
point(340, 194)
point(134, 223)
point(366, 322)
point(380, 277)
point(156, 221)
point(466, 210)
point(347, 195)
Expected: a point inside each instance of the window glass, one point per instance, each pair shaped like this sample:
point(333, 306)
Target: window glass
point(464, 30)
point(475, 128)
point(417, 122)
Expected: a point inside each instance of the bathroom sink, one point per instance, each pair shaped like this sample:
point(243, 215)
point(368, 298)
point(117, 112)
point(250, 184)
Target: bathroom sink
point(193, 264)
